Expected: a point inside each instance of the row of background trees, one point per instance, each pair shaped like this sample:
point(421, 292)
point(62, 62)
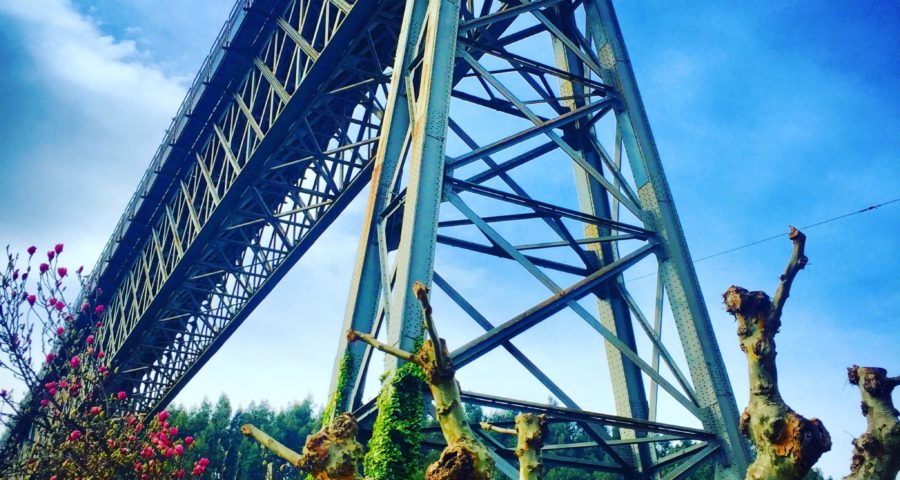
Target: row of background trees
point(215, 427)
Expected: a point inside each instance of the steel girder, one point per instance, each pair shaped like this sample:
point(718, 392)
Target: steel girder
point(285, 153)
point(282, 128)
point(435, 176)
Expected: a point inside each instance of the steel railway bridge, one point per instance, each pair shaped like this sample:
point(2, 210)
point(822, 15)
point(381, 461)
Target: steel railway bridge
point(507, 133)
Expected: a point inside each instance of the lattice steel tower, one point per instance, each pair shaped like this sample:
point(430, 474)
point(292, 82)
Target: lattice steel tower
point(514, 130)
point(512, 167)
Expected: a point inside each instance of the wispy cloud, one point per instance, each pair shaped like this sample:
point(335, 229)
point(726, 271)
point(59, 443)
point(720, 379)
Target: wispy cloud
point(95, 113)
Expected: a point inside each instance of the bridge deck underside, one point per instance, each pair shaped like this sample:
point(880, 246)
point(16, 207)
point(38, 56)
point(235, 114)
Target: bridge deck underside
point(285, 157)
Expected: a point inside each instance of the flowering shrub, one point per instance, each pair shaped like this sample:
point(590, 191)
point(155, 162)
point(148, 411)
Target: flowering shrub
point(50, 351)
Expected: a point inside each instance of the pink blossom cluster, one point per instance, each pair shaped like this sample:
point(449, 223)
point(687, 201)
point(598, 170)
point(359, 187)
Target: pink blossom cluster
point(88, 422)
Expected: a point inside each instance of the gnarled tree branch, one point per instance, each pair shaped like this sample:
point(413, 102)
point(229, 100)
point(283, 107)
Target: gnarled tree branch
point(796, 263)
point(332, 453)
point(787, 444)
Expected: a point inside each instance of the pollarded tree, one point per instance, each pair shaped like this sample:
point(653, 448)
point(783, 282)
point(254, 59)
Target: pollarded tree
point(465, 457)
point(531, 432)
point(787, 444)
point(332, 453)
point(876, 453)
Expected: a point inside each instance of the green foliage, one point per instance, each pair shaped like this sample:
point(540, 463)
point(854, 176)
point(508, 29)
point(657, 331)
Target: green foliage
point(395, 447)
point(217, 436)
point(338, 398)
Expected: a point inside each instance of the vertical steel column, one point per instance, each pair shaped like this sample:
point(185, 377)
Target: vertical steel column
point(627, 382)
point(415, 253)
point(366, 285)
point(708, 373)
point(416, 116)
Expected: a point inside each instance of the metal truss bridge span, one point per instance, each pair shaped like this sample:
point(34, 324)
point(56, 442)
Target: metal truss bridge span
point(507, 133)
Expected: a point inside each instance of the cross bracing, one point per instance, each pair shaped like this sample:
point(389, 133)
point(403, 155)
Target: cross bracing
point(510, 133)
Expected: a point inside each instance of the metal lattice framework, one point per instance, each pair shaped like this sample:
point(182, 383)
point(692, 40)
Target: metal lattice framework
point(509, 130)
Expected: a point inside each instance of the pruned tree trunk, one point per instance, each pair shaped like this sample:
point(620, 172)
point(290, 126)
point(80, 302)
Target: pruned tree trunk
point(787, 444)
point(332, 453)
point(876, 453)
point(464, 458)
point(531, 430)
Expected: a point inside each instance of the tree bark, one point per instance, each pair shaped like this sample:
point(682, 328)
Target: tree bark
point(464, 458)
point(531, 430)
point(876, 453)
point(787, 444)
point(332, 453)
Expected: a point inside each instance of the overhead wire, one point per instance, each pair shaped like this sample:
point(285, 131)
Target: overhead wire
point(773, 237)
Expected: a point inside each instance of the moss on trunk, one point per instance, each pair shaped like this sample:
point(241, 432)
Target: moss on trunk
point(337, 398)
point(395, 446)
point(876, 453)
point(787, 444)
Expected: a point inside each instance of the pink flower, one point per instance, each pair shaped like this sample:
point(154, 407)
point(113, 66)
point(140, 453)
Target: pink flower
point(100, 354)
point(121, 396)
point(31, 250)
point(52, 301)
point(50, 255)
point(75, 435)
point(102, 370)
point(173, 431)
point(58, 248)
point(163, 416)
point(99, 309)
point(179, 450)
point(16, 274)
point(85, 307)
point(188, 440)
point(31, 299)
point(51, 357)
point(43, 267)
point(60, 331)
point(45, 402)
point(80, 269)
point(75, 362)
point(147, 452)
point(51, 391)
point(62, 271)
point(60, 306)
point(203, 462)
point(90, 340)
point(95, 410)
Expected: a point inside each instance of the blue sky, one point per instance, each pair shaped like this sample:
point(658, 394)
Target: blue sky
point(765, 115)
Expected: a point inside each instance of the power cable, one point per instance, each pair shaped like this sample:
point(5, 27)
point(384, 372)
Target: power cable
point(773, 237)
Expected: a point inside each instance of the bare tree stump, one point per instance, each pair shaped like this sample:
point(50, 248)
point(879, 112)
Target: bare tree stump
point(876, 453)
point(787, 444)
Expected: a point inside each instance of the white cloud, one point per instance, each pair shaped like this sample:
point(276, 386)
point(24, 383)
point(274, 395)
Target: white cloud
point(106, 109)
